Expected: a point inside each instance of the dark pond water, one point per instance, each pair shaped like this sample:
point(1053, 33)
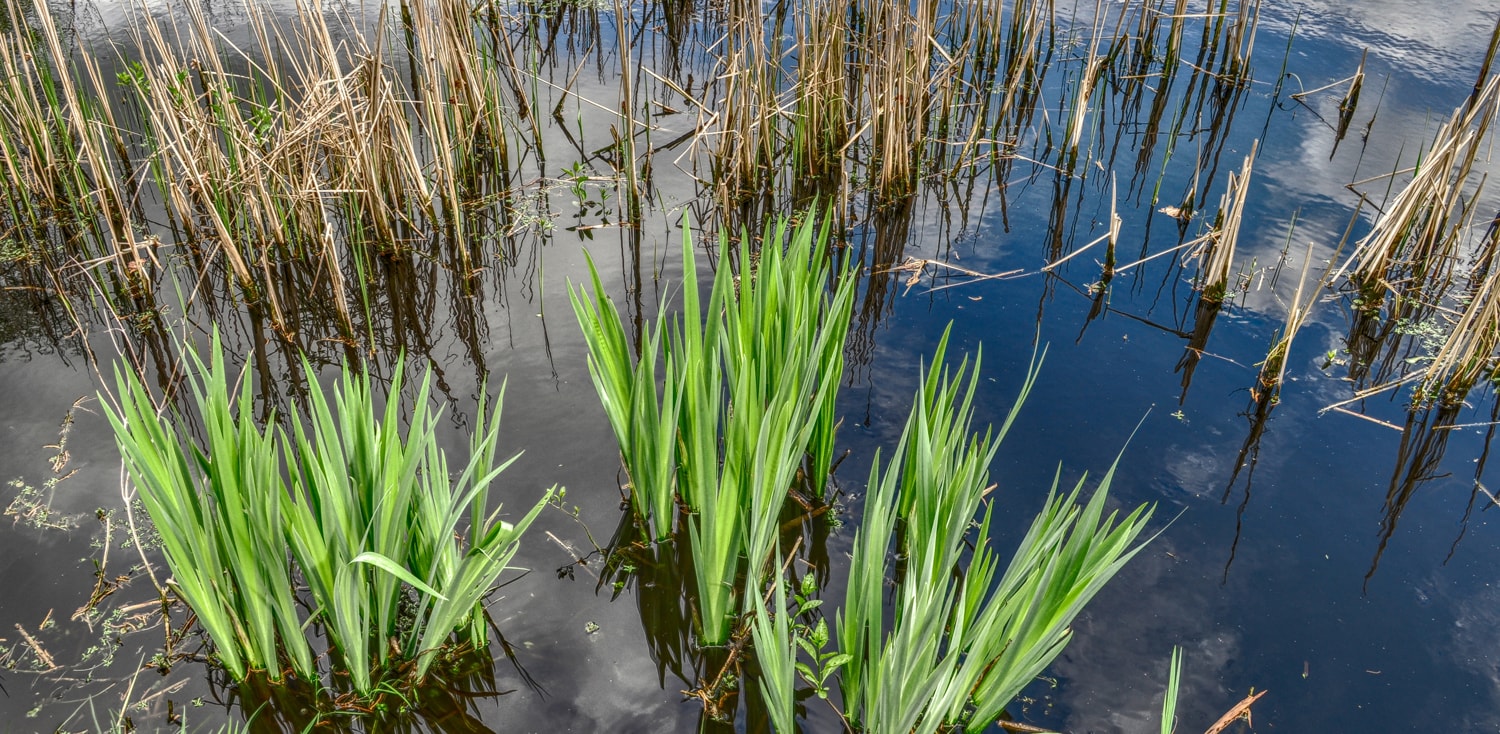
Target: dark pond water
point(1340, 563)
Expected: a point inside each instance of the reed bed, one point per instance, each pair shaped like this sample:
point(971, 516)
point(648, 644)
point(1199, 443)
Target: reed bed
point(337, 147)
point(896, 55)
point(889, 92)
point(62, 156)
point(397, 553)
point(306, 152)
point(744, 156)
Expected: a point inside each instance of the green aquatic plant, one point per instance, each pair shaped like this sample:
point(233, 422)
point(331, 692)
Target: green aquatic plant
point(959, 639)
point(219, 515)
point(1174, 685)
point(745, 404)
point(776, 652)
point(395, 551)
point(644, 421)
point(377, 525)
point(962, 641)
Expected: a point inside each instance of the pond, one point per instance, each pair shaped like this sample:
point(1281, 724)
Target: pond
point(1070, 177)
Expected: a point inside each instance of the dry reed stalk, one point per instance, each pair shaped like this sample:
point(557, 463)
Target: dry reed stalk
point(309, 150)
point(1215, 250)
point(306, 142)
point(1355, 82)
point(92, 132)
point(1142, 50)
point(1173, 54)
point(822, 121)
point(744, 154)
point(1416, 234)
point(380, 167)
point(200, 177)
point(895, 57)
point(31, 146)
point(1093, 70)
point(627, 161)
point(474, 78)
point(1351, 97)
point(1028, 43)
point(458, 84)
point(115, 202)
point(1273, 369)
point(1237, 43)
point(1416, 242)
point(441, 122)
point(1110, 236)
point(1222, 49)
point(1468, 353)
point(969, 92)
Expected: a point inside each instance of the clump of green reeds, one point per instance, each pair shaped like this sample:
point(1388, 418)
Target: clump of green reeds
point(746, 402)
point(963, 639)
point(776, 651)
point(397, 553)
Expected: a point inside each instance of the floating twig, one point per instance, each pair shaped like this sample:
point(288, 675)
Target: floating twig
point(1240, 710)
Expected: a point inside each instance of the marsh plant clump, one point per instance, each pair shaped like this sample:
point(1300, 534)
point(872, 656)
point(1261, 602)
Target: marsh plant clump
point(330, 140)
point(1421, 263)
point(962, 637)
point(354, 503)
point(720, 433)
point(745, 405)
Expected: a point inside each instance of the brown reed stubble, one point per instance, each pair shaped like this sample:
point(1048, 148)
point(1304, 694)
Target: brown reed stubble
point(286, 154)
point(60, 146)
point(1408, 264)
point(748, 118)
point(1219, 244)
point(894, 53)
point(822, 111)
point(886, 92)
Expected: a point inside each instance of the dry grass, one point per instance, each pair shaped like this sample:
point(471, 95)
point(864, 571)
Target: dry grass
point(748, 111)
point(1409, 263)
point(290, 170)
point(1215, 250)
point(308, 150)
point(822, 121)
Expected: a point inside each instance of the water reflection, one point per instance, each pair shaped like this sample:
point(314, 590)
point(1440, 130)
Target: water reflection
point(1419, 457)
point(661, 578)
point(1258, 415)
point(881, 245)
point(450, 706)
